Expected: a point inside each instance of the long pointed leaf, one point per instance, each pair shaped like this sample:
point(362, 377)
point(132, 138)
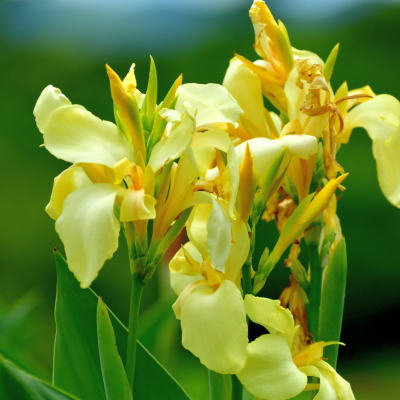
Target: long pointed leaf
point(76, 344)
point(116, 384)
point(16, 384)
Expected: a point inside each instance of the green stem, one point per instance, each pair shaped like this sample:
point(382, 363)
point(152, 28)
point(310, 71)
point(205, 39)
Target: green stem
point(237, 388)
point(246, 278)
point(315, 290)
point(136, 294)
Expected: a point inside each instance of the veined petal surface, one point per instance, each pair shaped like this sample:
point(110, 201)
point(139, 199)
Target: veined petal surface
point(74, 134)
point(270, 372)
point(89, 230)
point(69, 180)
point(214, 327)
point(50, 99)
point(213, 102)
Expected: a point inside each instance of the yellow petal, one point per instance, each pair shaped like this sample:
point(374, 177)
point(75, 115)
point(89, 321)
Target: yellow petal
point(264, 153)
point(172, 147)
point(49, 100)
point(68, 181)
point(321, 201)
point(245, 87)
point(181, 271)
point(380, 117)
point(302, 146)
point(270, 372)
point(332, 385)
point(137, 206)
point(214, 328)
point(239, 250)
point(213, 103)
point(128, 108)
point(246, 186)
point(269, 314)
point(209, 229)
point(89, 230)
point(75, 135)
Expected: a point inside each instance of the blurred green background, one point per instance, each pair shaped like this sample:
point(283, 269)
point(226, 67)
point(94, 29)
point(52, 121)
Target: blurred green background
point(67, 44)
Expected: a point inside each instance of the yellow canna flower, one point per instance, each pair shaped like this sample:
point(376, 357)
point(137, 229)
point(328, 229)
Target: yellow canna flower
point(210, 305)
point(272, 372)
point(380, 117)
point(84, 196)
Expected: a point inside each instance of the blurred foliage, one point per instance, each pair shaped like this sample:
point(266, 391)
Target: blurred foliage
point(368, 55)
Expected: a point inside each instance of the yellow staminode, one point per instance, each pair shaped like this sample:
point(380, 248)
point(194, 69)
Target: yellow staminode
point(128, 108)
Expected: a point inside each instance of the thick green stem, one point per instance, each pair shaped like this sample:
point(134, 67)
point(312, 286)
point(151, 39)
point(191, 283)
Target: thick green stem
point(315, 291)
point(136, 294)
point(237, 388)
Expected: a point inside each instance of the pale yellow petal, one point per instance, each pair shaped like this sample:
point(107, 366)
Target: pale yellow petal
point(181, 135)
point(68, 181)
point(269, 314)
point(75, 135)
point(264, 153)
point(246, 88)
point(213, 103)
point(270, 372)
point(214, 327)
point(380, 117)
point(182, 273)
point(209, 229)
point(137, 206)
point(89, 229)
point(50, 99)
point(302, 146)
point(239, 250)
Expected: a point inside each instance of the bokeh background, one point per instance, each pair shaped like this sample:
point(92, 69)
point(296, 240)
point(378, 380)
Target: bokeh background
point(67, 43)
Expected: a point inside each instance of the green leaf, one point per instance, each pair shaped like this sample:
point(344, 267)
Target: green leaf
point(332, 301)
point(115, 381)
point(16, 384)
point(220, 386)
point(330, 63)
point(77, 367)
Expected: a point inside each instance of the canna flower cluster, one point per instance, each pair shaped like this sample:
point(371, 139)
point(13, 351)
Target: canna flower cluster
point(214, 160)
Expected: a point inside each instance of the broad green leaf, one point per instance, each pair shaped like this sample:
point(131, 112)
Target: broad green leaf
point(220, 386)
point(16, 384)
point(332, 302)
point(115, 381)
point(77, 367)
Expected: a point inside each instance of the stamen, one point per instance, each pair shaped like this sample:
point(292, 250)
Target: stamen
point(355, 96)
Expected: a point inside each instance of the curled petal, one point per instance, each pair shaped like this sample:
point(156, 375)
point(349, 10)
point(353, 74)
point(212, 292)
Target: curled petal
point(137, 206)
point(89, 230)
point(214, 327)
point(182, 273)
point(75, 135)
point(270, 372)
point(269, 314)
point(213, 102)
point(68, 181)
point(50, 99)
point(380, 117)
